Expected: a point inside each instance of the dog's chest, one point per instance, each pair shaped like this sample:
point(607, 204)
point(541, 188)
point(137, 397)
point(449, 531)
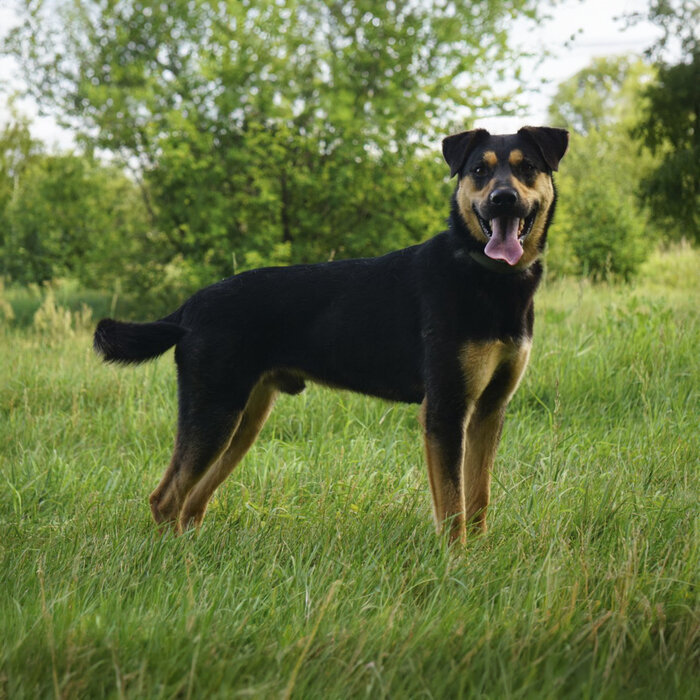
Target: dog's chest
point(481, 361)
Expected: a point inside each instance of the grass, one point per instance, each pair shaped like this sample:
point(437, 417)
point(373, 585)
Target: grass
point(318, 574)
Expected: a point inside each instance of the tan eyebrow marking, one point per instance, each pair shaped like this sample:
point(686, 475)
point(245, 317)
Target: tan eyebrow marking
point(515, 157)
point(490, 158)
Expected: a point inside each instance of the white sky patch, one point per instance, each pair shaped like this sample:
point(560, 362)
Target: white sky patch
point(579, 30)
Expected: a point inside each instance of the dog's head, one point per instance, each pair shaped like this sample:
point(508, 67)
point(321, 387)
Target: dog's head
point(505, 195)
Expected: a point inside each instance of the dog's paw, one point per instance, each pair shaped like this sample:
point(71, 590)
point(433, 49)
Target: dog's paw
point(164, 517)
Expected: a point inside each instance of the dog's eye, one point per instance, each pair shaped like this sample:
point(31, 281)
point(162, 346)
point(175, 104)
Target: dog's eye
point(480, 170)
point(527, 168)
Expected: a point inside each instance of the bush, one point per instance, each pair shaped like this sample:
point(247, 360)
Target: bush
point(600, 228)
point(69, 216)
point(20, 304)
point(54, 322)
point(603, 233)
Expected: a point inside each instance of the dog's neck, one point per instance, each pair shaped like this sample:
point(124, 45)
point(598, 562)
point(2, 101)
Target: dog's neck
point(499, 266)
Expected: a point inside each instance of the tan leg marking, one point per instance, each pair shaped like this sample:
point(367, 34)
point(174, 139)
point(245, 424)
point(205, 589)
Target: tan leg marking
point(482, 442)
point(256, 412)
point(480, 362)
point(169, 496)
point(448, 497)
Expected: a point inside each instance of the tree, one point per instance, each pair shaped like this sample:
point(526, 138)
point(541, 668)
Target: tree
point(670, 128)
point(679, 21)
point(66, 217)
point(17, 151)
point(604, 93)
point(670, 122)
point(600, 221)
point(285, 131)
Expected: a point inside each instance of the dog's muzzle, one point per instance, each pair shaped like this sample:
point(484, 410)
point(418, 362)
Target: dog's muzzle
point(505, 228)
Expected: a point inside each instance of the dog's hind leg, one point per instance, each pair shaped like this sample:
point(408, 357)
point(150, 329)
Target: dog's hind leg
point(205, 428)
point(256, 412)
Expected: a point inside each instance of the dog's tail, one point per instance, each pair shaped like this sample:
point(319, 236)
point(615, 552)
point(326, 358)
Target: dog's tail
point(131, 343)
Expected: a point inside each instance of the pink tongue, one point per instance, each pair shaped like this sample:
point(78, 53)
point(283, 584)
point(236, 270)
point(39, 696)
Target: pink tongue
point(504, 243)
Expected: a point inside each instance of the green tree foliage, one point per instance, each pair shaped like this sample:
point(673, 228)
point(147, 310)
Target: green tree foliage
point(679, 21)
point(66, 215)
point(285, 131)
point(600, 227)
point(601, 223)
point(601, 95)
point(670, 128)
point(670, 122)
point(17, 150)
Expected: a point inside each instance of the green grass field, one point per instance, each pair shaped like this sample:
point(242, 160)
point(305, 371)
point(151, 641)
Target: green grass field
point(318, 573)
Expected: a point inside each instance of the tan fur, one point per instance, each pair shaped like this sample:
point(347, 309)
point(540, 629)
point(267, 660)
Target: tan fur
point(466, 502)
point(169, 496)
point(541, 194)
point(480, 361)
point(181, 497)
point(479, 455)
point(490, 159)
point(467, 195)
point(515, 157)
point(447, 497)
point(518, 366)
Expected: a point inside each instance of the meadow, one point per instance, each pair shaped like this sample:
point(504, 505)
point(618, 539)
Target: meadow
point(317, 573)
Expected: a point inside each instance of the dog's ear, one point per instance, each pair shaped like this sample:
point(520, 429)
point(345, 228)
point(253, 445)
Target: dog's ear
point(457, 148)
point(551, 143)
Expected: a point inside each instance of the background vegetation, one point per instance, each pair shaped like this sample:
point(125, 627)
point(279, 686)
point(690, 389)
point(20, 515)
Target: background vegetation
point(260, 133)
point(216, 136)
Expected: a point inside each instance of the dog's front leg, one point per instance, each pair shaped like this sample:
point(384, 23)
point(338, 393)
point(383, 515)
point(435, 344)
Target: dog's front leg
point(444, 434)
point(483, 435)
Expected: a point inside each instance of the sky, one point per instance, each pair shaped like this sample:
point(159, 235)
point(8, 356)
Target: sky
point(578, 31)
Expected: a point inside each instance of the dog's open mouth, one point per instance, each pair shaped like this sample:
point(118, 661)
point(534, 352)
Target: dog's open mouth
point(506, 235)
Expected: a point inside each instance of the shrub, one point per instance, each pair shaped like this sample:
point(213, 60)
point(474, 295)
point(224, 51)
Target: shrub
point(54, 322)
point(600, 229)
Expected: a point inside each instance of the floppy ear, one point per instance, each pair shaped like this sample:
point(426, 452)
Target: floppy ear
point(456, 148)
point(552, 143)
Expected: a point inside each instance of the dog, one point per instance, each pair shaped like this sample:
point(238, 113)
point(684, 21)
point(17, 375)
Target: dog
point(446, 324)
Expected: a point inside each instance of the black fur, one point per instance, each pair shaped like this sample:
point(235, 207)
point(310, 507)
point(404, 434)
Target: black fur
point(370, 325)
point(131, 343)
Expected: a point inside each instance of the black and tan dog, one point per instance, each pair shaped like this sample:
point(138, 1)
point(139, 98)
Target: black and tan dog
point(446, 324)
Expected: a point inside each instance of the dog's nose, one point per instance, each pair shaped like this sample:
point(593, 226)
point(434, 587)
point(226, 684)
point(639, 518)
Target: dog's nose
point(503, 196)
